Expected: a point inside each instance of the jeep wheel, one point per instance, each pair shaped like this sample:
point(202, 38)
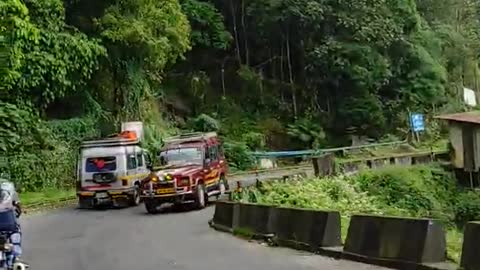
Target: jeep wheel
point(200, 200)
point(151, 207)
point(135, 197)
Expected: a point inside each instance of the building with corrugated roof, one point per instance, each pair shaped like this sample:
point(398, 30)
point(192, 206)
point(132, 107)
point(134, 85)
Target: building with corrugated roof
point(464, 136)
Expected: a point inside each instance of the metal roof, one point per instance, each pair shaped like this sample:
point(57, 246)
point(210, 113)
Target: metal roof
point(466, 117)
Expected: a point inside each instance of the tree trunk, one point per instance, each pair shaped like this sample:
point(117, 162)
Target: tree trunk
point(282, 49)
point(223, 80)
point(290, 76)
point(245, 37)
point(237, 44)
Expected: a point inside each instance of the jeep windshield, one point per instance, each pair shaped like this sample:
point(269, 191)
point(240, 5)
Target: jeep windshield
point(181, 156)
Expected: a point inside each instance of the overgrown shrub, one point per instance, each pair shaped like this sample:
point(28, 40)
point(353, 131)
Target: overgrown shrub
point(254, 140)
point(204, 123)
point(468, 207)
point(237, 155)
point(421, 190)
point(75, 129)
point(43, 170)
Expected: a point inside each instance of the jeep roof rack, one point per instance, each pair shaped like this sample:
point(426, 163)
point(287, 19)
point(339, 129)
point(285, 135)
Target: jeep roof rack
point(193, 136)
point(109, 142)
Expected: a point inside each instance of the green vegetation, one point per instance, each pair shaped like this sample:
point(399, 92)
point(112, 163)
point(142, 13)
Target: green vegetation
point(419, 191)
point(48, 196)
point(265, 74)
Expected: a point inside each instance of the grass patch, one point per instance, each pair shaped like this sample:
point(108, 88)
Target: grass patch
point(47, 196)
point(244, 233)
point(454, 245)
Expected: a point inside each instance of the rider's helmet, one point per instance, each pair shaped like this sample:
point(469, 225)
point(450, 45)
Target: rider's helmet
point(8, 220)
point(8, 194)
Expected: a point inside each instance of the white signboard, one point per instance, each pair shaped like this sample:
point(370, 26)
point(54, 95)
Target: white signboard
point(137, 127)
point(469, 97)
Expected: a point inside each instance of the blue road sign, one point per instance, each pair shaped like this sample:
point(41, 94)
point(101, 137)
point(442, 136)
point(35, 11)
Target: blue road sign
point(417, 122)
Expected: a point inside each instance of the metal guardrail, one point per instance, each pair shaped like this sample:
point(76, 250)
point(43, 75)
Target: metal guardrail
point(399, 155)
point(323, 151)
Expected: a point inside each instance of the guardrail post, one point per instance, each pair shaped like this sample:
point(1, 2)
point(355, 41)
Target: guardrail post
point(316, 170)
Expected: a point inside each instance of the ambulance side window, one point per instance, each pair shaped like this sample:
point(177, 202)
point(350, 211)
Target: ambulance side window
point(147, 159)
point(140, 159)
point(131, 162)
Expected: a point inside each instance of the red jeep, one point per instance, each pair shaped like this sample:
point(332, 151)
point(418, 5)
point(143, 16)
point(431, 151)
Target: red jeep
point(193, 168)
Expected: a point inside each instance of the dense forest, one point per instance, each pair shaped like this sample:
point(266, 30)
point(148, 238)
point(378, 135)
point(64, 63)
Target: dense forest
point(276, 74)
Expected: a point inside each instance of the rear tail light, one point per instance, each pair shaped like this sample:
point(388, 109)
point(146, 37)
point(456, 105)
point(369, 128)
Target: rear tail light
point(183, 182)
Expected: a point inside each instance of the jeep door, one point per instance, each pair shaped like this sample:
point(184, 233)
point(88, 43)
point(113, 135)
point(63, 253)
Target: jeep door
point(142, 163)
point(213, 167)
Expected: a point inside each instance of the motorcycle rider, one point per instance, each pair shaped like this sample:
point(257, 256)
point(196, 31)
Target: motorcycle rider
point(10, 211)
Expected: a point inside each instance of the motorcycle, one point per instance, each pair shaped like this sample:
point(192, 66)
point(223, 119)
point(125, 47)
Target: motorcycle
point(7, 259)
point(10, 234)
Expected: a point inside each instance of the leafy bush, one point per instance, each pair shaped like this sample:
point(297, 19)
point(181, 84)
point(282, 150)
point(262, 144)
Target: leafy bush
point(254, 140)
point(468, 207)
point(43, 170)
point(204, 123)
point(237, 154)
point(75, 129)
point(420, 190)
point(20, 128)
point(34, 156)
point(308, 132)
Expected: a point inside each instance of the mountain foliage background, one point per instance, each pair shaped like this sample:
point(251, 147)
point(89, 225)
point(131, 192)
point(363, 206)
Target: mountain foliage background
point(266, 74)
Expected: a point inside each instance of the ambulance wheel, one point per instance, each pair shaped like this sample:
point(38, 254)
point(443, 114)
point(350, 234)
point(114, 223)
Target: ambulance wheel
point(135, 199)
point(85, 203)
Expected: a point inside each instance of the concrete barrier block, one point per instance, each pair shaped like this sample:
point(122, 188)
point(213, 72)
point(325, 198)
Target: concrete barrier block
point(324, 165)
point(398, 239)
point(471, 246)
point(254, 217)
point(403, 161)
point(351, 167)
point(224, 216)
point(308, 228)
point(379, 163)
point(424, 159)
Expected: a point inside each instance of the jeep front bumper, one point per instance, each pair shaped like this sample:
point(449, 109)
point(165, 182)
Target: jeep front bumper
point(179, 195)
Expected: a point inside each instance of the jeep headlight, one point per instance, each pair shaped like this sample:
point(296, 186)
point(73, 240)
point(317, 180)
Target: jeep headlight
point(168, 177)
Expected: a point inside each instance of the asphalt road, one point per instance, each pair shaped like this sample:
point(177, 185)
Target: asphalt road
point(128, 239)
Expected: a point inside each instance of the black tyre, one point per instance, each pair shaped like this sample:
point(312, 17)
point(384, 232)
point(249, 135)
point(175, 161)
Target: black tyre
point(151, 207)
point(135, 199)
point(201, 197)
point(85, 203)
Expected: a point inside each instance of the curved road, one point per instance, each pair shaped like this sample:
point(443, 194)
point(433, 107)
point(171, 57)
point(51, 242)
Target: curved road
point(127, 239)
